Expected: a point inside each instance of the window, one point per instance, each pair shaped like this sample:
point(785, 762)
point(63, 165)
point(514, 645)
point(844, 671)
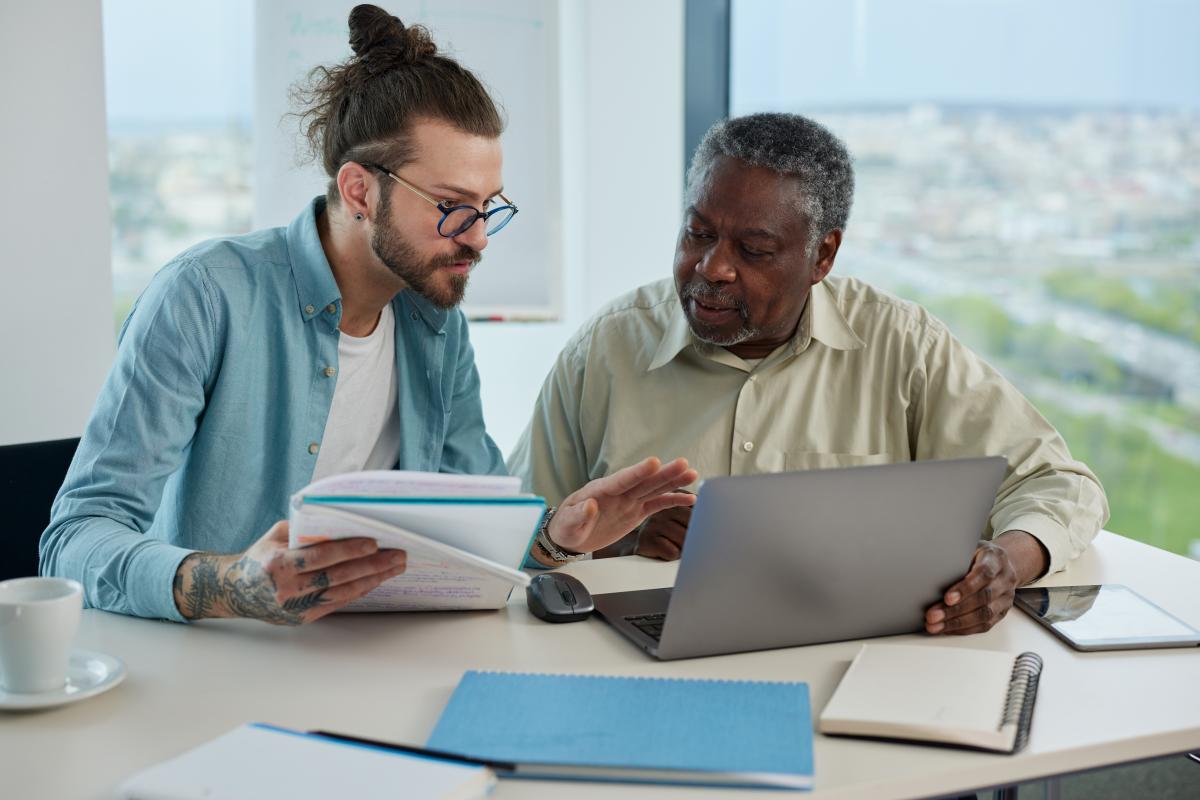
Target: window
point(1030, 172)
point(179, 80)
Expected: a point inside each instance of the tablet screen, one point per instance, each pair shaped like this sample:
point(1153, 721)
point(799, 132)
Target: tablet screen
point(1107, 614)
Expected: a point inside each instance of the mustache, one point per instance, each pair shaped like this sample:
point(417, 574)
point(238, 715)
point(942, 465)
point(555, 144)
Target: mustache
point(713, 296)
point(464, 253)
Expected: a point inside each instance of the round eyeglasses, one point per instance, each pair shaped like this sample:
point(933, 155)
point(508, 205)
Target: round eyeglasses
point(458, 219)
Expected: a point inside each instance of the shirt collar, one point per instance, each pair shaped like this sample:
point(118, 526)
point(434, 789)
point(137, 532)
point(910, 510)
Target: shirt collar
point(315, 287)
point(821, 320)
point(676, 337)
point(826, 322)
point(417, 306)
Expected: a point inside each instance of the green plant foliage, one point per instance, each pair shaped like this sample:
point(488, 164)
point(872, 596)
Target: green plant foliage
point(1172, 307)
point(1154, 496)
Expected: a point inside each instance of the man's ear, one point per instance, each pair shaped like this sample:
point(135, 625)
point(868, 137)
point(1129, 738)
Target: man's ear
point(826, 252)
point(357, 185)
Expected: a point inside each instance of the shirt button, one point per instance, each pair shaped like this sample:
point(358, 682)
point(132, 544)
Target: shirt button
point(329, 309)
point(748, 446)
point(414, 315)
point(308, 309)
point(313, 448)
point(330, 372)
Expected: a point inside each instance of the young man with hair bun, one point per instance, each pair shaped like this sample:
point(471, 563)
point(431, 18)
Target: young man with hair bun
point(255, 364)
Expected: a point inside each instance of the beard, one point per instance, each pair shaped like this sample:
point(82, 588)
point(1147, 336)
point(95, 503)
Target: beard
point(422, 275)
point(713, 296)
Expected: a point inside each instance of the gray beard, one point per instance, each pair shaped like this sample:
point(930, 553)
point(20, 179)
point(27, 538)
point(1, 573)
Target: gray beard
point(743, 334)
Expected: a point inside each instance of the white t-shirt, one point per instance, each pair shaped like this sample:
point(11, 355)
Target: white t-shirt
point(363, 428)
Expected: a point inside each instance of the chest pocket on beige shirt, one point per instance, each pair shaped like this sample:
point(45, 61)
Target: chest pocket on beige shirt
point(809, 460)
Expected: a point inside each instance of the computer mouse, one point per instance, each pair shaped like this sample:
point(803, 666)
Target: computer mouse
point(558, 597)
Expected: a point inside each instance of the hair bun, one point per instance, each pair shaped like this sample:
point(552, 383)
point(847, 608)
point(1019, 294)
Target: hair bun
point(381, 41)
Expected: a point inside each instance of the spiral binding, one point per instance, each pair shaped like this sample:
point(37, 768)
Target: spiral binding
point(651, 678)
point(1022, 694)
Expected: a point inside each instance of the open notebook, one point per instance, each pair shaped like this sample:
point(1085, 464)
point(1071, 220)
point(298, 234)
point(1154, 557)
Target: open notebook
point(466, 535)
point(970, 698)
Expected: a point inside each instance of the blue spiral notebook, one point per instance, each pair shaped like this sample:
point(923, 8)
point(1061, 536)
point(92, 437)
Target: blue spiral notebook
point(640, 730)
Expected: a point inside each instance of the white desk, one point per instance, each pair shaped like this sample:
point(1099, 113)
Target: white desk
point(388, 677)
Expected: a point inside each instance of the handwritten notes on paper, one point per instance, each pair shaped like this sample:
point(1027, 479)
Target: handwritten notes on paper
point(466, 536)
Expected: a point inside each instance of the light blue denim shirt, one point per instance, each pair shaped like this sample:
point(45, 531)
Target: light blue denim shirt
point(214, 410)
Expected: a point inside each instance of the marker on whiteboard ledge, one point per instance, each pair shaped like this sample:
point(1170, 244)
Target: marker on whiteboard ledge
point(511, 318)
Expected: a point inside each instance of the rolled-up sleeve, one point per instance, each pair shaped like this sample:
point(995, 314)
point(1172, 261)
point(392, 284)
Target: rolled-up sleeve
point(143, 422)
point(963, 407)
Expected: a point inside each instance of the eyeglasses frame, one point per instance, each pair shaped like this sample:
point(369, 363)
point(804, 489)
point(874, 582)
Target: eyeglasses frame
point(447, 209)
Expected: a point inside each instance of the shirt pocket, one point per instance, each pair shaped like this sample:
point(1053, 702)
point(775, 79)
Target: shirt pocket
point(801, 461)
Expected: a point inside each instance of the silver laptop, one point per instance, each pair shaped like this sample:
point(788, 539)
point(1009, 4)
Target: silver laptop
point(800, 558)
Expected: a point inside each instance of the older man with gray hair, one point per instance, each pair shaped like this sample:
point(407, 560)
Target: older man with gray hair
point(755, 360)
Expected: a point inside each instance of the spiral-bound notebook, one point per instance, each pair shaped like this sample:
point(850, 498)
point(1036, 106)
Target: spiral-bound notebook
point(640, 730)
point(970, 698)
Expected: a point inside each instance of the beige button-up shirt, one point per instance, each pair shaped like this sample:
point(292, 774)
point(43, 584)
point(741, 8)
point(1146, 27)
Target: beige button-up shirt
point(867, 379)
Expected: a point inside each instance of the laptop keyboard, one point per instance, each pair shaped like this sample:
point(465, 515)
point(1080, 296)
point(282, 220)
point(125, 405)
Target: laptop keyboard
point(649, 624)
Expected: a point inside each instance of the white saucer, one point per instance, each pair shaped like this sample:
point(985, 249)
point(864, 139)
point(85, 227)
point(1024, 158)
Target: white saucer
point(88, 674)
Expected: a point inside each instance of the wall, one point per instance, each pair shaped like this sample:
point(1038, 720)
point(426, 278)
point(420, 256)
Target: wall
point(524, 272)
point(622, 174)
point(56, 340)
point(620, 180)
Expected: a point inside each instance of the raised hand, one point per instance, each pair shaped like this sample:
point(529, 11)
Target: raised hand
point(608, 508)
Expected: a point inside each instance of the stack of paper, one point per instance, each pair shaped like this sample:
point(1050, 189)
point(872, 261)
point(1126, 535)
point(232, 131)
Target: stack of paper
point(466, 536)
point(257, 761)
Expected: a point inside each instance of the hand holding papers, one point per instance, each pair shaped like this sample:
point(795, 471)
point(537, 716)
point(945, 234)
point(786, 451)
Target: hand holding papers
point(466, 536)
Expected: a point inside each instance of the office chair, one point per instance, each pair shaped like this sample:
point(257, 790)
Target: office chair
point(30, 476)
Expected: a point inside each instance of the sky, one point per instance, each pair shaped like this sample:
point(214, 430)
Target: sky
point(1056, 53)
point(168, 60)
point(171, 60)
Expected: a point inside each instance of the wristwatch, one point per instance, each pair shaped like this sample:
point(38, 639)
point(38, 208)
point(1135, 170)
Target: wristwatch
point(547, 545)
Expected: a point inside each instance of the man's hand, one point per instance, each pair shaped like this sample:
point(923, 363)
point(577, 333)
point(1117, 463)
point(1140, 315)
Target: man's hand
point(661, 536)
point(985, 594)
point(282, 586)
point(608, 508)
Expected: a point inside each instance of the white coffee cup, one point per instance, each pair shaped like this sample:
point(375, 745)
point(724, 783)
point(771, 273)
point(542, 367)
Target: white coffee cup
point(38, 621)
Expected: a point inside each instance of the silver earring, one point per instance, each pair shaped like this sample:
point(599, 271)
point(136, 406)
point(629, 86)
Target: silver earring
point(358, 217)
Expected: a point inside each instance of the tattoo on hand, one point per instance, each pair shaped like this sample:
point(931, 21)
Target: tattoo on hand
point(250, 592)
point(245, 589)
point(304, 602)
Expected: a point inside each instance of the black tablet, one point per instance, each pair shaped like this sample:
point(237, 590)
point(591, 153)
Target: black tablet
point(1105, 617)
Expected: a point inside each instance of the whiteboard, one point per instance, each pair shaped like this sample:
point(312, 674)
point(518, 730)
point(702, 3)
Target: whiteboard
point(513, 48)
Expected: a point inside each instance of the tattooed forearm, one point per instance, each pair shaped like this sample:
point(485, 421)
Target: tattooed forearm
point(205, 589)
point(197, 586)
